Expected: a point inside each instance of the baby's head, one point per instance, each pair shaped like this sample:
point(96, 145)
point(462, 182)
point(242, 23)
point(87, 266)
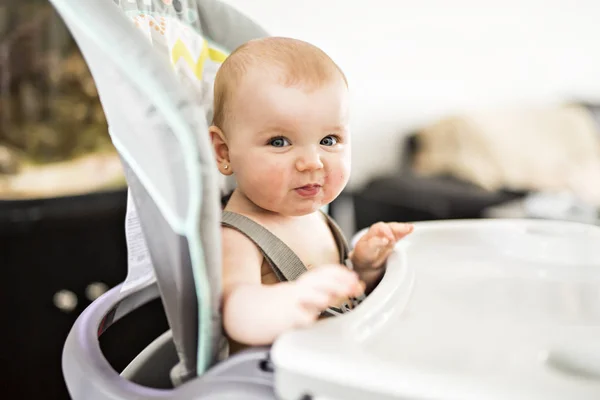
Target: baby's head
point(281, 125)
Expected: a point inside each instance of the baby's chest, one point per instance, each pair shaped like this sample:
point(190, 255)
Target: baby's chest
point(314, 247)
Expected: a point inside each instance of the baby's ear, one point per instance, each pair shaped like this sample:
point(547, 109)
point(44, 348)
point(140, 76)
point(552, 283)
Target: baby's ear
point(221, 149)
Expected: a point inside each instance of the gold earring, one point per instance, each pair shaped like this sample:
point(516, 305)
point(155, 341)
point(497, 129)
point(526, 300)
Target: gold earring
point(226, 166)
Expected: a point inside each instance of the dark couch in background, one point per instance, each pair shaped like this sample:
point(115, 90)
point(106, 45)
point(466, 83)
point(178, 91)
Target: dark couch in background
point(404, 196)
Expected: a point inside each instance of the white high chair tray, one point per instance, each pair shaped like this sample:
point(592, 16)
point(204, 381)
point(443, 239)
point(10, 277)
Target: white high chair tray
point(481, 309)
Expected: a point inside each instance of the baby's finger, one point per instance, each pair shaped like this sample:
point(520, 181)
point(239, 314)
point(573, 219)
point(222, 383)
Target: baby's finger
point(358, 289)
point(375, 246)
point(354, 291)
point(306, 318)
point(367, 251)
point(382, 257)
point(400, 230)
point(314, 301)
point(338, 286)
point(381, 229)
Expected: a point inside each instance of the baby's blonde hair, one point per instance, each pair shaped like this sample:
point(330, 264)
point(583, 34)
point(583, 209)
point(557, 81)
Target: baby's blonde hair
point(297, 62)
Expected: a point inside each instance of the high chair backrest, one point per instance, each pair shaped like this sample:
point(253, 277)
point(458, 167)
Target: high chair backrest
point(159, 127)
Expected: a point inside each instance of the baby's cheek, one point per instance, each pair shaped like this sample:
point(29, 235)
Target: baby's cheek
point(270, 174)
point(338, 177)
point(268, 180)
point(273, 175)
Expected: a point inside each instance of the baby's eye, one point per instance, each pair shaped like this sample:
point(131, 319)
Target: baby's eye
point(329, 140)
point(279, 142)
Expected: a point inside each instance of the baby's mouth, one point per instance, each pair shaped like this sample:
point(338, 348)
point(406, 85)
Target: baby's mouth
point(310, 190)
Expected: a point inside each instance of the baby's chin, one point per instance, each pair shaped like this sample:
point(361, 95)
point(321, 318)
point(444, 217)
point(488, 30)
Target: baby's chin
point(300, 213)
point(304, 209)
point(296, 210)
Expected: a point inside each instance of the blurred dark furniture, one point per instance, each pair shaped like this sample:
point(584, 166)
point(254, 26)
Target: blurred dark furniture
point(404, 196)
point(50, 245)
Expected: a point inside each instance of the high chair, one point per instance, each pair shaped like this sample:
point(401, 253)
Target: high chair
point(159, 128)
point(465, 310)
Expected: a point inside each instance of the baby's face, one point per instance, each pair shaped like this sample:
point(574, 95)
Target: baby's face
point(289, 147)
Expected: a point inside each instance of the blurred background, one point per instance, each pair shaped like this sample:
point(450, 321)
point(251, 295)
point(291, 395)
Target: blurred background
point(463, 109)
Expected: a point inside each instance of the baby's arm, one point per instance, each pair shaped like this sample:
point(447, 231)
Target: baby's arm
point(255, 314)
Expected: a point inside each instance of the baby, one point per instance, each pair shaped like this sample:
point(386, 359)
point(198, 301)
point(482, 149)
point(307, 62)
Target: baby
point(280, 126)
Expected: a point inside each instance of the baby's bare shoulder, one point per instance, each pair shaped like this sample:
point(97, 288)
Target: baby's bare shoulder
point(241, 258)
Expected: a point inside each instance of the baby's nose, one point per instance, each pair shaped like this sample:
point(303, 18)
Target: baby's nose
point(309, 160)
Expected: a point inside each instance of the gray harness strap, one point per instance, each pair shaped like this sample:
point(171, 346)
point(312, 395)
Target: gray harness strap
point(283, 261)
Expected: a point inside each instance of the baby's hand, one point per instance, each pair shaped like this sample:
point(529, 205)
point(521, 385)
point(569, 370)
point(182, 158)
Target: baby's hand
point(322, 287)
point(375, 246)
